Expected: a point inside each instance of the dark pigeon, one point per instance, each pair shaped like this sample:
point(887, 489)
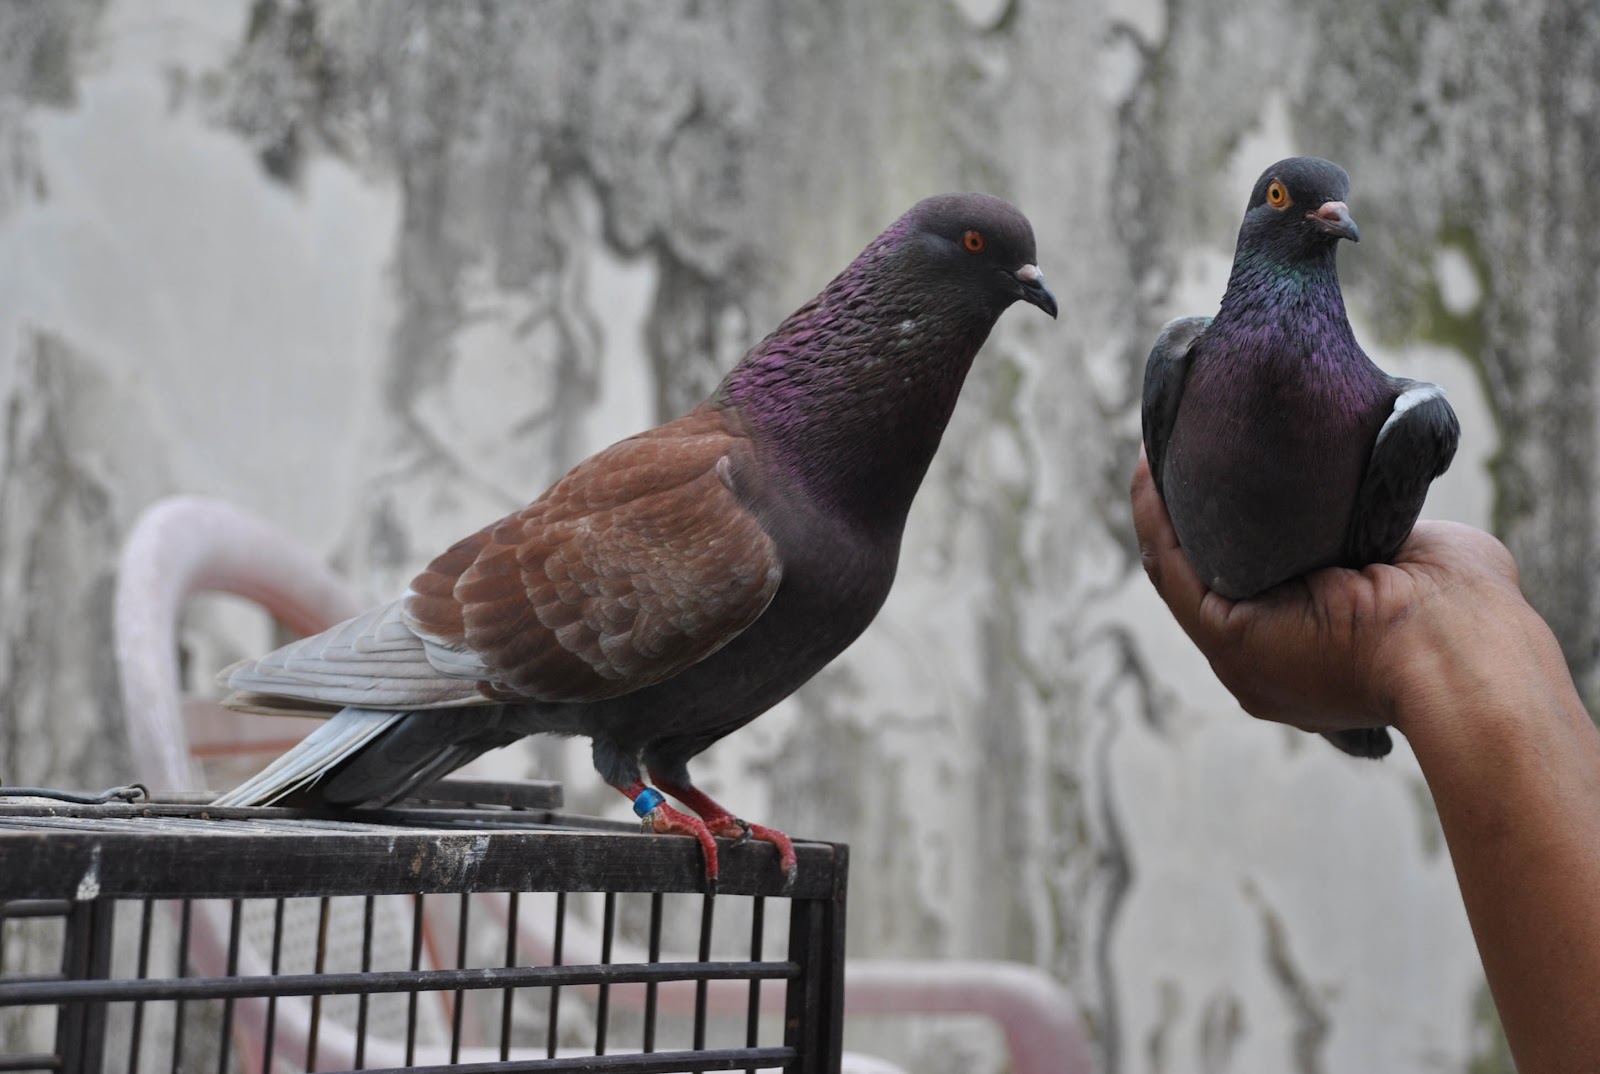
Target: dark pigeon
point(676, 585)
point(1277, 444)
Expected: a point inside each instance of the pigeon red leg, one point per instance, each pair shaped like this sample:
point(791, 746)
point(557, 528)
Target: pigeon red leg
point(721, 822)
point(664, 820)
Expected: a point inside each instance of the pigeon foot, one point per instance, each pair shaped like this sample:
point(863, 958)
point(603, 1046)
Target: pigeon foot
point(720, 822)
point(658, 817)
point(762, 834)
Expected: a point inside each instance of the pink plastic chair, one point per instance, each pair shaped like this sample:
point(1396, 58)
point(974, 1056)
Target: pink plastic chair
point(186, 544)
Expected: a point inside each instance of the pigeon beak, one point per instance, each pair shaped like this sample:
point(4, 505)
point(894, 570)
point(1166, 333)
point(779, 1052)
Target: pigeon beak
point(1034, 292)
point(1334, 218)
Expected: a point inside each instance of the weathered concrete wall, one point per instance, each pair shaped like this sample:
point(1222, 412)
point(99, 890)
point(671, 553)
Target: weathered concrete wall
point(383, 270)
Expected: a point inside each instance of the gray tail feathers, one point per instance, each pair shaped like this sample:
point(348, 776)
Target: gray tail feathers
point(361, 756)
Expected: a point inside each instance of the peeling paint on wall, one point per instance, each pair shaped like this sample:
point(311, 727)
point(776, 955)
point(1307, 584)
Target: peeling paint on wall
point(383, 270)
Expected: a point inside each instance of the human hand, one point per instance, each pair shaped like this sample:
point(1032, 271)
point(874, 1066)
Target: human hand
point(1441, 645)
point(1344, 649)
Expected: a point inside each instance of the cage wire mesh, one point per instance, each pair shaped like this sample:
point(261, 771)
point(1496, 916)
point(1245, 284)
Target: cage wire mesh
point(265, 941)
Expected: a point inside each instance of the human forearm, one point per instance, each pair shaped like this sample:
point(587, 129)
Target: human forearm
point(1442, 645)
point(1513, 763)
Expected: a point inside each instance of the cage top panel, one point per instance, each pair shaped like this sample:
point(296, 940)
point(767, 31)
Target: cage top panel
point(120, 851)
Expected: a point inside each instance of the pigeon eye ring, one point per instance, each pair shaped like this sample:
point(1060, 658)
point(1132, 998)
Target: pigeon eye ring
point(1278, 195)
point(973, 242)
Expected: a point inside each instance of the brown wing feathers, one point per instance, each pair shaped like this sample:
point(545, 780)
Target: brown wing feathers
point(604, 585)
point(637, 564)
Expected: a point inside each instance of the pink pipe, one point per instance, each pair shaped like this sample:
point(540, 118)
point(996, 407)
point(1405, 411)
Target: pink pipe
point(186, 545)
point(1035, 1012)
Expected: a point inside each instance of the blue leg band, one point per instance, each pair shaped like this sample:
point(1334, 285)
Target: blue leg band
point(646, 803)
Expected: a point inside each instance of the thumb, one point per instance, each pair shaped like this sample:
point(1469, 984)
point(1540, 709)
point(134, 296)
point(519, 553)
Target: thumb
point(1164, 562)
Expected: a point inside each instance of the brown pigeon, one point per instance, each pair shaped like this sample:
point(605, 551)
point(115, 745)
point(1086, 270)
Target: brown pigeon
point(678, 584)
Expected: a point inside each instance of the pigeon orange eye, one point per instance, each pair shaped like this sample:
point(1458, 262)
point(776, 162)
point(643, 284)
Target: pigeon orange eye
point(973, 241)
point(1277, 196)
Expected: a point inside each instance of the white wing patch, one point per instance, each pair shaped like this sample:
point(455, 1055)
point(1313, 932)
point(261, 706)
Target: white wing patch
point(1407, 399)
point(454, 661)
point(373, 661)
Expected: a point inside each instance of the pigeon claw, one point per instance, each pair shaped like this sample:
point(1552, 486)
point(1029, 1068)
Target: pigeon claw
point(664, 820)
point(718, 821)
point(742, 831)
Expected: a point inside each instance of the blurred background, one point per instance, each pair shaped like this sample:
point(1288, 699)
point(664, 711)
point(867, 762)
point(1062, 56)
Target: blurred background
point(381, 271)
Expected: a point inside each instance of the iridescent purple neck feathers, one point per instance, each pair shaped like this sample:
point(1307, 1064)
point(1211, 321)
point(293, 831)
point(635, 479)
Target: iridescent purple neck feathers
point(1288, 311)
point(850, 395)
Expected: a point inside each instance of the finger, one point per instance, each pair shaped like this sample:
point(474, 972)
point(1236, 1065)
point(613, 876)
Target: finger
point(1163, 558)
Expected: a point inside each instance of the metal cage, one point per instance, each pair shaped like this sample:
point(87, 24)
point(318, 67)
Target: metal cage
point(168, 938)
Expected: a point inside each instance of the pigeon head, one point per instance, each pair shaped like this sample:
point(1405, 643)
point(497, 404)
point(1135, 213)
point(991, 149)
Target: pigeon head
point(974, 244)
point(1297, 210)
point(852, 392)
